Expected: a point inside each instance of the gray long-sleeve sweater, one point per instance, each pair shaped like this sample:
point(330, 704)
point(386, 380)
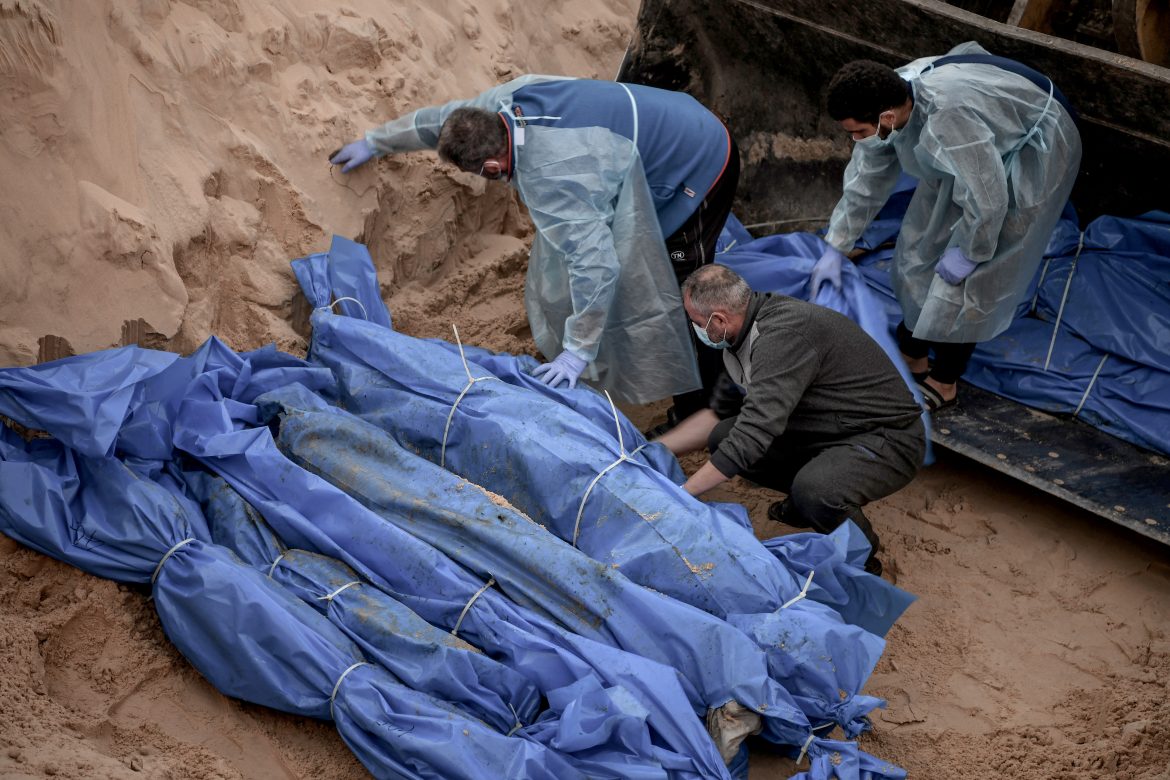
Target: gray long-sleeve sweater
point(810, 373)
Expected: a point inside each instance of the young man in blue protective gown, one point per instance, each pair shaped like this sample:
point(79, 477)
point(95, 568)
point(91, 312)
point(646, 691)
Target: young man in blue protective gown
point(628, 187)
point(995, 148)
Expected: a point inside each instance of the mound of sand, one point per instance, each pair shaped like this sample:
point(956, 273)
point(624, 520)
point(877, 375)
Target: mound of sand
point(164, 160)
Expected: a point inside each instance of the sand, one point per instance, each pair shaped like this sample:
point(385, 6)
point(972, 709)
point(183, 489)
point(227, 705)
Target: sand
point(164, 160)
point(1039, 645)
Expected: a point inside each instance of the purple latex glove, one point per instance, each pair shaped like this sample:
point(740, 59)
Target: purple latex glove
point(352, 155)
point(827, 269)
point(566, 366)
point(954, 266)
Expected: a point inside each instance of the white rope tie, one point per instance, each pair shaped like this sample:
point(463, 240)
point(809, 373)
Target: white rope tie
point(346, 298)
point(491, 581)
point(634, 111)
point(624, 457)
point(793, 221)
point(1041, 144)
point(804, 749)
point(272, 568)
point(803, 593)
point(584, 498)
point(518, 725)
point(1064, 298)
point(639, 449)
point(337, 685)
point(1092, 382)
point(170, 552)
point(329, 597)
point(470, 382)
point(1040, 285)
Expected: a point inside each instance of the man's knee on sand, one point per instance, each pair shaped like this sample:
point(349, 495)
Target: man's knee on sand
point(818, 497)
point(719, 433)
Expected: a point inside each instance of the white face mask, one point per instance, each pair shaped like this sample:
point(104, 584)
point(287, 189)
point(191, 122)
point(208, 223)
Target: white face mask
point(876, 140)
point(889, 136)
point(723, 343)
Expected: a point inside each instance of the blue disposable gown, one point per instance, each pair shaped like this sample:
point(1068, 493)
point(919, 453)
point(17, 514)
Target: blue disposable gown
point(599, 282)
point(995, 158)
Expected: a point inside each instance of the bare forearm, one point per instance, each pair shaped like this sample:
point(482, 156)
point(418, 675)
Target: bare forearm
point(704, 479)
point(691, 434)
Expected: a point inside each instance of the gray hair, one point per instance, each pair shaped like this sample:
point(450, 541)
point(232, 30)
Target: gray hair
point(470, 136)
point(714, 287)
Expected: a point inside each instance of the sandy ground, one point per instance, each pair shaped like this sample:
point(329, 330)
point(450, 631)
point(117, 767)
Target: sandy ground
point(1038, 647)
point(164, 160)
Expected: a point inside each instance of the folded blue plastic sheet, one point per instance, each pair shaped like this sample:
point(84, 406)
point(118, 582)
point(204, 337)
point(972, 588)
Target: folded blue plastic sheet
point(84, 401)
point(246, 635)
point(1115, 295)
point(843, 587)
point(1123, 398)
point(1042, 362)
point(343, 279)
point(123, 400)
point(846, 763)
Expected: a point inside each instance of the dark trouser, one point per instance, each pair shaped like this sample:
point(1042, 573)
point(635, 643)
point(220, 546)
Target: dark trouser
point(693, 246)
point(950, 360)
point(829, 482)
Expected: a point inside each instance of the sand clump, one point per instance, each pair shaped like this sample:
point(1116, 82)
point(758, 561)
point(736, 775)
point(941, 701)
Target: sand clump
point(164, 160)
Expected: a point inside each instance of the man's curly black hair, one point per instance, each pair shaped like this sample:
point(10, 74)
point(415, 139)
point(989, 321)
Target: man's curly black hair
point(861, 90)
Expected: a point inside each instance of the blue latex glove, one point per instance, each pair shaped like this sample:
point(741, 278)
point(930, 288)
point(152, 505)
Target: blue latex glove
point(566, 366)
point(827, 269)
point(352, 155)
point(954, 266)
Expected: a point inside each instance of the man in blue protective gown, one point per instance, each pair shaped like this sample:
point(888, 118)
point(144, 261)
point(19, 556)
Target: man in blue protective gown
point(628, 187)
point(995, 148)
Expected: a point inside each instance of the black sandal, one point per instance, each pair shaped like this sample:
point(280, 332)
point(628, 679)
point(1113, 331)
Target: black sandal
point(933, 400)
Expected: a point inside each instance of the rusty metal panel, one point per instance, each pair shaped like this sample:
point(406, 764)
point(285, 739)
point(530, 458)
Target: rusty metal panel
point(1064, 457)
